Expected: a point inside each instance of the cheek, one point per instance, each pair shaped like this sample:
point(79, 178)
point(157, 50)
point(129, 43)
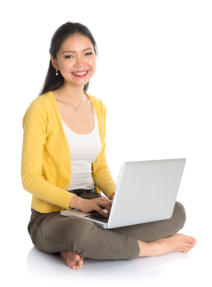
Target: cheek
point(92, 62)
point(66, 65)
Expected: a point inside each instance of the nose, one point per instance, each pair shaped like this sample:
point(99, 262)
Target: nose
point(79, 61)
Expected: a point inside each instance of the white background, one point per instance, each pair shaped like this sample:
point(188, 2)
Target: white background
point(154, 76)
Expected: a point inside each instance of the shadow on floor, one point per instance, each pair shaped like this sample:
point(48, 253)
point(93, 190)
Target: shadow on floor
point(42, 265)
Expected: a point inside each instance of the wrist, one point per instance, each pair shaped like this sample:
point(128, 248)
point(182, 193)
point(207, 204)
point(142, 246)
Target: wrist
point(75, 202)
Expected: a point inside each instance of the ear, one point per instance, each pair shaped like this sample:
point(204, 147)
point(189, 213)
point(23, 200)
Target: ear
point(54, 63)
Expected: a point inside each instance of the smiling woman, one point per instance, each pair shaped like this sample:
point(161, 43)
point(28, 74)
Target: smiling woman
point(64, 165)
point(74, 59)
point(65, 50)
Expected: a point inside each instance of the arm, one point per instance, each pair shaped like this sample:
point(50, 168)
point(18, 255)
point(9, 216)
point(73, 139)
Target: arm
point(101, 172)
point(35, 133)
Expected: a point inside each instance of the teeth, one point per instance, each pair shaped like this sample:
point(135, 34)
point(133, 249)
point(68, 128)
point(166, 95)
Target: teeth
point(81, 73)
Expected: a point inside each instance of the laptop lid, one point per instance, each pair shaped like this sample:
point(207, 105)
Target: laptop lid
point(146, 191)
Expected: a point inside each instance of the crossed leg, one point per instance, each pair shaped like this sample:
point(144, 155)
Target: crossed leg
point(154, 238)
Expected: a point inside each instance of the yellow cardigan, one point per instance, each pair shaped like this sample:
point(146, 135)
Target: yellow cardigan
point(45, 165)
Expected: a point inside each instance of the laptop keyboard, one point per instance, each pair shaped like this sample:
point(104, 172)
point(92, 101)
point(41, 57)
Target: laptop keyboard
point(97, 216)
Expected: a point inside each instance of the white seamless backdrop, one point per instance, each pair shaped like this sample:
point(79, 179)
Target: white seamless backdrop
point(154, 76)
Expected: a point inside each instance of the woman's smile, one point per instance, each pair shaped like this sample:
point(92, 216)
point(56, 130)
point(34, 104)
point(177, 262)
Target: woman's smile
point(80, 74)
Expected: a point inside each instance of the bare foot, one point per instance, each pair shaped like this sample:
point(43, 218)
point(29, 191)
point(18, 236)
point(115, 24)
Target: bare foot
point(177, 242)
point(73, 260)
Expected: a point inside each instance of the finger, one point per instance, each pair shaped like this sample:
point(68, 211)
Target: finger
point(99, 210)
point(106, 205)
point(108, 208)
point(105, 199)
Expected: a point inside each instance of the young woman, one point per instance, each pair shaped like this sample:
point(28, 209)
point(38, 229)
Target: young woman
point(64, 165)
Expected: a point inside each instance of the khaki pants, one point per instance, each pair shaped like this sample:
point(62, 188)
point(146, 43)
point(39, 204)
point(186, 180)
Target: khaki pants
point(53, 233)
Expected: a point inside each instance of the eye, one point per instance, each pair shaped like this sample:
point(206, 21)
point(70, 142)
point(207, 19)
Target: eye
point(68, 56)
point(89, 53)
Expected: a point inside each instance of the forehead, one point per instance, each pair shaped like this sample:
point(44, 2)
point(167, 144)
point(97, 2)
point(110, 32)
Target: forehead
point(76, 42)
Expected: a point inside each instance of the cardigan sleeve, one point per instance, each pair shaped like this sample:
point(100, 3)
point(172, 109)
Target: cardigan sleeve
point(102, 174)
point(35, 122)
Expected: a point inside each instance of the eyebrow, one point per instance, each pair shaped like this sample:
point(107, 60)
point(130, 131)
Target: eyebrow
point(74, 51)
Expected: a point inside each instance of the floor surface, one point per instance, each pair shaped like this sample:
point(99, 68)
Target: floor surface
point(26, 263)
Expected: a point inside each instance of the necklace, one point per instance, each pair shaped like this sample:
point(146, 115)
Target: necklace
point(76, 108)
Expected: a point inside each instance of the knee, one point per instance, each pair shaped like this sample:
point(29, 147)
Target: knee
point(179, 214)
point(65, 235)
point(75, 230)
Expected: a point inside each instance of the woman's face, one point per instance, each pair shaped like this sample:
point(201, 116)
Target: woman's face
point(76, 60)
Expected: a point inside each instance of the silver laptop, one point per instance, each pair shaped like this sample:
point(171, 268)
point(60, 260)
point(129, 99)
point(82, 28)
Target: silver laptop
point(146, 191)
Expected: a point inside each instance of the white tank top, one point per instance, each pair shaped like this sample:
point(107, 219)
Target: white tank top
point(84, 149)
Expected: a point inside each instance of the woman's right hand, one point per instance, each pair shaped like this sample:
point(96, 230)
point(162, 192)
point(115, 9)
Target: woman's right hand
point(88, 205)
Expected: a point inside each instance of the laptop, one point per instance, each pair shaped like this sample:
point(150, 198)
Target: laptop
point(146, 191)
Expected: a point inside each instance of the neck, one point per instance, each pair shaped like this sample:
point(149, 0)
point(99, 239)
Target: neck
point(71, 93)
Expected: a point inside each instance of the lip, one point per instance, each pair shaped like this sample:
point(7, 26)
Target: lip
point(80, 71)
point(80, 76)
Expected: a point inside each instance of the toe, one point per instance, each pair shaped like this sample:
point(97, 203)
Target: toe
point(79, 263)
point(194, 241)
point(70, 264)
point(81, 260)
point(76, 257)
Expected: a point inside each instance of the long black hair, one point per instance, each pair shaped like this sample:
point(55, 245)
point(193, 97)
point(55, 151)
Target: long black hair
point(53, 82)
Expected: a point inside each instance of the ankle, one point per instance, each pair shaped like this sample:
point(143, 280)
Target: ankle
point(143, 246)
point(148, 248)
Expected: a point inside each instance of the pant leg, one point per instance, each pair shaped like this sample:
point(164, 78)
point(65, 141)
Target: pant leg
point(158, 229)
point(53, 233)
